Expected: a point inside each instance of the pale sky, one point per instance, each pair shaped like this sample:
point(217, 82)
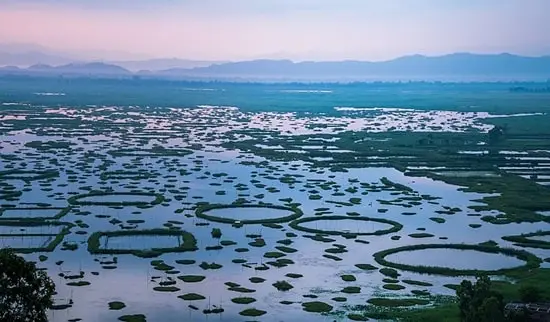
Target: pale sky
point(294, 29)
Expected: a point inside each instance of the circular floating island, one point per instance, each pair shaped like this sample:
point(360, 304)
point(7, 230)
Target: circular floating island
point(248, 214)
point(372, 226)
point(514, 259)
point(117, 199)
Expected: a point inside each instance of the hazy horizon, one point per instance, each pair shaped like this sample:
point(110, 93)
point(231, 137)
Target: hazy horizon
point(284, 29)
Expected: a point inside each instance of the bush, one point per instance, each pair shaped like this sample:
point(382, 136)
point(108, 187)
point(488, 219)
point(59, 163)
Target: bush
point(216, 233)
point(530, 294)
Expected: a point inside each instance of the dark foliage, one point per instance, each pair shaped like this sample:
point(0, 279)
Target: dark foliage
point(25, 292)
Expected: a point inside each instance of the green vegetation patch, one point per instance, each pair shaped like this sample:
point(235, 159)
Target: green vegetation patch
point(366, 267)
point(390, 272)
point(526, 240)
point(243, 300)
point(133, 318)
point(393, 287)
point(79, 283)
point(417, 283)
point(192, 278)
point(286, 249)
point(116, 305)
point(283, 285)
point(348, 278)
point(420, 235)
point(351, 290)
point(240, 289)
point(169, 289)
point(294, 275)
point(274, 255)
point(206, 265)
point(317, 307)
point(397, 302)
point(256, 280)
point(191, 297)
point(252, 312)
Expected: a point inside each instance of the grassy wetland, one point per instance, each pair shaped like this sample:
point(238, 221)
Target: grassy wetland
point(148, 201)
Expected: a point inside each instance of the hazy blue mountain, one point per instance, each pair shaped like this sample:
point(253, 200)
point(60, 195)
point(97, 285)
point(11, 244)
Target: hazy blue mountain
point(40, 67)
point(92, 69)
point(162, 64)
point(23, 59)
point(24, 55)
point(14, 68)
point(461, 64)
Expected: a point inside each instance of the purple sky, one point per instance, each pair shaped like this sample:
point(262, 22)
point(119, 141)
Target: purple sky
point(295, 29)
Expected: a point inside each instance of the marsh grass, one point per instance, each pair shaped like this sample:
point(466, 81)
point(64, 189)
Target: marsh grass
point(316, 307)
point(252, 312)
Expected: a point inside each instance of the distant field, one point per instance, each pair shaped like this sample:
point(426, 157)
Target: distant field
point(319, 97)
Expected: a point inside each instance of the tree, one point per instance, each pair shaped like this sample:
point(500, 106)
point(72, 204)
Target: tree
point(491, 310)
point(25, 292)
point(477, 303)
point(216, 233)
point(530, 294)
point(496, 135)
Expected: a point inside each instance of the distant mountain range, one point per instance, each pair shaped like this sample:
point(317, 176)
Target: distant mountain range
point(460, 65)
point(93, 69)
point(163, 64)
point(26, 55)
point(31, 57)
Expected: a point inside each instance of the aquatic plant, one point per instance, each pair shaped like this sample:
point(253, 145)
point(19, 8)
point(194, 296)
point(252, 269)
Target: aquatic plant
point(526, 240)
point(252, 312)
point(283, 286)
point(316, 307)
